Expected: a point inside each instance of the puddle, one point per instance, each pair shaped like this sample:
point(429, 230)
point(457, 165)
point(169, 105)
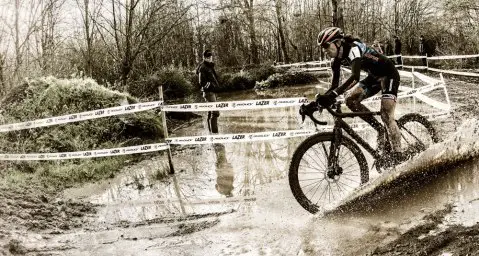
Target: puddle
point(250, 179)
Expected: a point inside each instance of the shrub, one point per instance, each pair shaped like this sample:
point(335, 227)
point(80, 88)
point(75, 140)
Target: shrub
point(48, 97)
point(262, 72)
point(236, 81)
point(175, 85)
point(287, 79)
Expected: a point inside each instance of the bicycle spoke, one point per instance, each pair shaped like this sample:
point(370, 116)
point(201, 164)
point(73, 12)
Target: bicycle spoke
point(318, 153)
point(316, 185)
point(319, 185)
point(311, 157)
point(346, 185)
point(321, 196)
point(412, 135)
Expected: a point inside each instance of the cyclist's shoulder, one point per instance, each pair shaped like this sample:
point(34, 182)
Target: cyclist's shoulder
point(354, 50)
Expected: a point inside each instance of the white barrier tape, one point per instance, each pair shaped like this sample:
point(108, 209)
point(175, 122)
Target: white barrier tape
point(428, 100)
point(405, 73)
point(415, 67)
point(413, 57)
point(132, 108)
point(426, 79)
point(86, 154)
point(453, 57)
point(407, 93)
point(236, 105)
point(401, 72)
point(316, 69)
point(454, 72)
point(113, 111)
point(298, 64)
point(240, 137)
point(393, 56)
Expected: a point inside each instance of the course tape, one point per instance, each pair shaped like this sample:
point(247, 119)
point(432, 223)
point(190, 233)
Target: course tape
point(87, 154)
point(454, 72)
point(453, 57)
point(413, 57)
point(132, 108)
point(239, 137)
point(220, 138)
point(406, 92)
point(393, 56)
point(113, 111)
point(415, 67)
point(236, 105)
point(426, 79)
point(316, 69)
point(309, 63)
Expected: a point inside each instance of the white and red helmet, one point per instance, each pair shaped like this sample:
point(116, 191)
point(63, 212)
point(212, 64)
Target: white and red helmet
point(329, 35)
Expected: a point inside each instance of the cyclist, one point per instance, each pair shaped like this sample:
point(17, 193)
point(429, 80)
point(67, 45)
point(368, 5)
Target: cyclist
point(382, 76)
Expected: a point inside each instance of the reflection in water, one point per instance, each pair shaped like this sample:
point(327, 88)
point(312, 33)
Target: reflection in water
point(235, 170)
point(224, 172)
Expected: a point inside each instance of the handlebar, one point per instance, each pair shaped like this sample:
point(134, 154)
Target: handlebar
point(308, 110)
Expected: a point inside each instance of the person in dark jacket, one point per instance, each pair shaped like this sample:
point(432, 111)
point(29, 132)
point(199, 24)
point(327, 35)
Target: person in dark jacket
point(388, 48)
point(397, 49)
point(422, 50)
point(209, 84)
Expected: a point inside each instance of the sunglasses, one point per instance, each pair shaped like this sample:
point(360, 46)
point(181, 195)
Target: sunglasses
point(327, 44)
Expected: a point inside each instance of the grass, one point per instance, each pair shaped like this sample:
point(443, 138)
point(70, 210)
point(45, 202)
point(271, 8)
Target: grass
point(48, 97)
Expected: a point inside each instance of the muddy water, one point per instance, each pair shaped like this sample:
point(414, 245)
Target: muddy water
point(210, 179)
point(246, 184)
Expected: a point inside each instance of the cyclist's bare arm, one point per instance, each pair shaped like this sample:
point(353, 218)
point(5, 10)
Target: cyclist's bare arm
point(352, 80)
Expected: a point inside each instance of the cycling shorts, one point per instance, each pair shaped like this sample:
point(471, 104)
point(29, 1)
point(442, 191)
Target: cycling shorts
point(387, 85)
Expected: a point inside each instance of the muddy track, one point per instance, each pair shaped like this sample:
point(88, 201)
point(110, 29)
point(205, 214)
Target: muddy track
point(32, 209)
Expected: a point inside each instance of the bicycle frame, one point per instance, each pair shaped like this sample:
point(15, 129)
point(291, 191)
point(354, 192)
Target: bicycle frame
point(339, 126)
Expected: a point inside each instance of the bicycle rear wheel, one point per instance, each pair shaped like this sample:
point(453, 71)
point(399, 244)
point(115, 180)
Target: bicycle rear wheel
point(308, 173)
point(417, 133)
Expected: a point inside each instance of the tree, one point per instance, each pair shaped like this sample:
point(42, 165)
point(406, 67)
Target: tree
point(136, 26)
point(282, 40)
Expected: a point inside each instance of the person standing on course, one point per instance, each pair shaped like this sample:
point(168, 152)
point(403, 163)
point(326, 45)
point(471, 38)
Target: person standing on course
point(208, 80)
point(397, 50)
point(388, 48)
point(422, 50)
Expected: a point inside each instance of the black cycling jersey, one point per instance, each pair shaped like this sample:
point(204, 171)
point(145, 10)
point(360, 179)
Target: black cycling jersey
point(360, 57)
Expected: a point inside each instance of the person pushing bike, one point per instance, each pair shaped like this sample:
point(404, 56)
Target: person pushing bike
point(382, 76)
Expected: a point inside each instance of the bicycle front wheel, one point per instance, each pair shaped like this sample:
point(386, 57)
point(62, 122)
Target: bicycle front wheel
point(309, 176)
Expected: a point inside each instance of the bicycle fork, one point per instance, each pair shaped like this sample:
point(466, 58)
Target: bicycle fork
point(334, 170)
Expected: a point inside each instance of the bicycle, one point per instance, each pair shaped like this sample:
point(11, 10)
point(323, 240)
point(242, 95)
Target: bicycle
point(330, 162)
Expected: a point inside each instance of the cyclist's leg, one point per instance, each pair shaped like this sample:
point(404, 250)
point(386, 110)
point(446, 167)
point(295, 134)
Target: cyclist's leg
point(388, 105)
point(364, 89)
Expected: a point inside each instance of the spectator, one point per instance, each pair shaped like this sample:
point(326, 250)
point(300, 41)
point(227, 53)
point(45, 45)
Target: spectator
point(209, 84)
point(377, 46)
point(388, 48)
point(422, 50)
point(397, 50)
